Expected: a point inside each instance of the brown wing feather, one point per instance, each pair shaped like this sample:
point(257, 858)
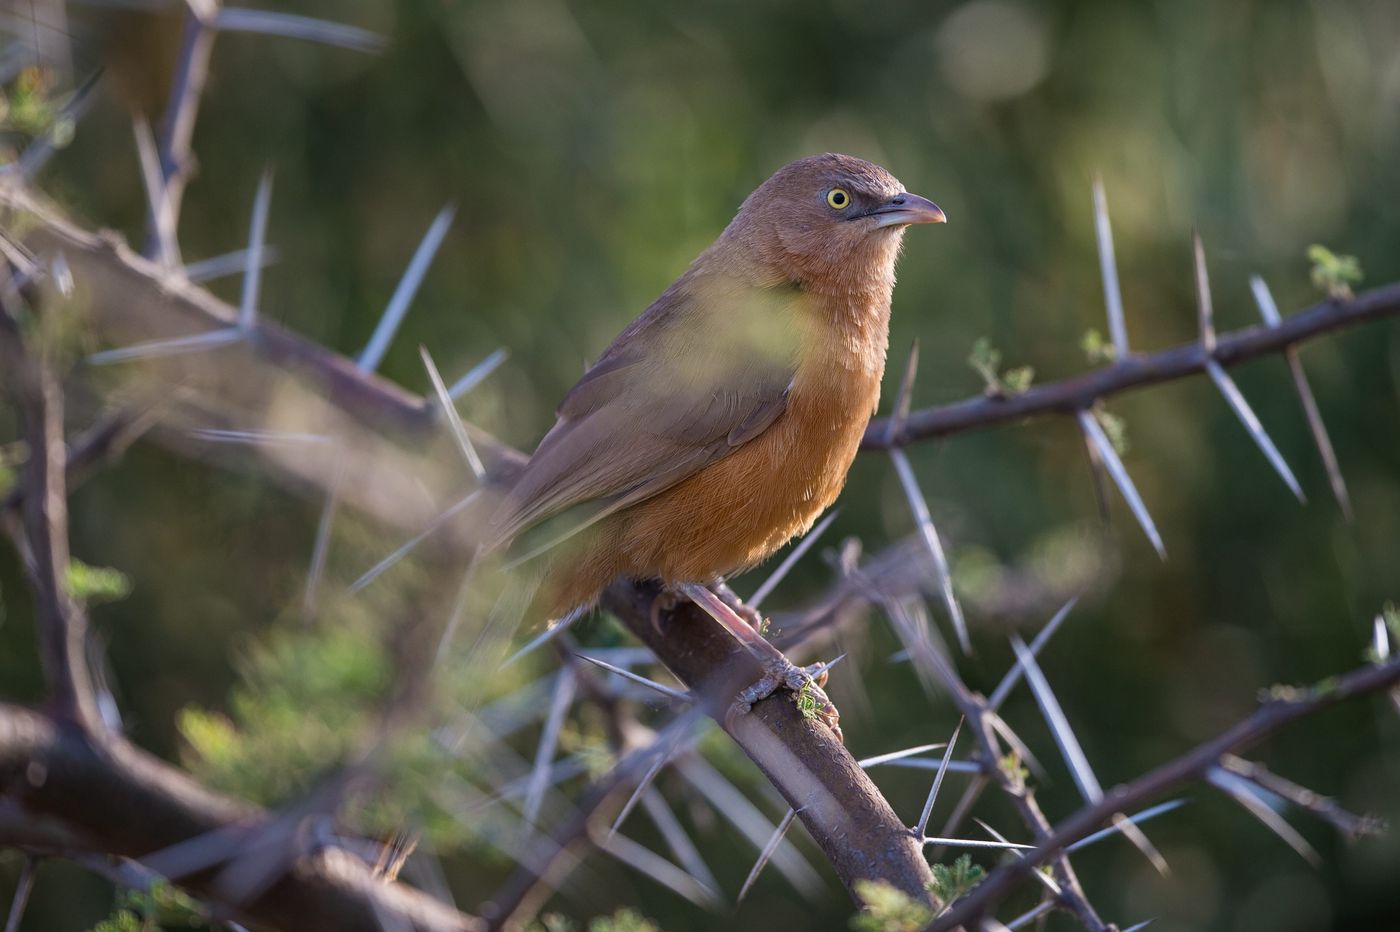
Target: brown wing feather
point(705, 369)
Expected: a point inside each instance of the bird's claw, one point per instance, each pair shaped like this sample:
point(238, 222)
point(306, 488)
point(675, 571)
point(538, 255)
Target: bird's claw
point(665, 601)
point(804, 682)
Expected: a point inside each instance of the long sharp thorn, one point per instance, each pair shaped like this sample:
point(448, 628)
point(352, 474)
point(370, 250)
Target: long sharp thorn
point(663, 756)
point(1090, 425)
point(1136, 819)
point(205, 270)
point(162, 218)
point(549, 741)
point(548, 634)
point(1204, 306)
point(1264, 300)
point(454, 420)
point(925, 763)
point(976, 843)
point(638, 678)
point(1031, 915)
point(1096, 472)
point(1139, 838)
point(257, 236)
point(740, 812)
point(1380, 639)
point(1108, 270)
point(320, 550)
point(868, 762)
point(258, 437)
point(676, 839)
point(1243, 793)
point(1251, 423)
point(789, 561)
point(935, 547)
point(1269, 311)
point(1078, 764)
point(292, 26)
point(459, 612)
point(1045, 879)
point(901, 400)
point(23, 887)
point(384, 565)
point(653, 865)
point(821, 668)
point(175, 346)
point(767, 852)
point(1013, 676)
point(373, 353)
point(1141, 925)
point(922, 825)
point(478, 373)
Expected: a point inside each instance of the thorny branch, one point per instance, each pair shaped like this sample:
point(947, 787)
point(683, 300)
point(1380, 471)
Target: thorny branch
point(91, 784)
point(1273, 715)
point(42, 540)
point(1080, 392)
point(181, 305)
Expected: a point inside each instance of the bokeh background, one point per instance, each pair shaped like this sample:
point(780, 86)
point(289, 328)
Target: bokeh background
point(594, 149)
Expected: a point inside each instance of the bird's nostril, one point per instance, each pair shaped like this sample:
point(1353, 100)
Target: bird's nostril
point(899, 201)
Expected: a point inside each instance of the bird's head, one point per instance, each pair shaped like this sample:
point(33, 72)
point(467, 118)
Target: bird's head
point(830, 223)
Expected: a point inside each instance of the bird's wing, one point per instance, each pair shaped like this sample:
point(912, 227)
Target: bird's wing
point(706, 369)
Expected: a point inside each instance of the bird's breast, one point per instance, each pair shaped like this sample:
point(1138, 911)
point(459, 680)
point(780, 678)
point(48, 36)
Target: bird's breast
point(737, 511)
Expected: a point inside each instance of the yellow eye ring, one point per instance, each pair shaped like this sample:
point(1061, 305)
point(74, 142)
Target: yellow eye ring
point(838, 199)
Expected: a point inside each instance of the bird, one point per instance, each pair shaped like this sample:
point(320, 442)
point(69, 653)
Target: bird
point(722, 421)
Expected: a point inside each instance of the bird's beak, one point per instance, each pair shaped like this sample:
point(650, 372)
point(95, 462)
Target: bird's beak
point(906, 209)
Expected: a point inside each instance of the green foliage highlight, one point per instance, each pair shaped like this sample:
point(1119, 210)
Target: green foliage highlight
point(1097, 349)
point(951, 881)
point(96, 584)
point(305, 700)
point(985, 360)
point(624, 920)
point(807, 701)
point(1332, 273)
point(1015, 771)
point(885, 909)
point(159, 907)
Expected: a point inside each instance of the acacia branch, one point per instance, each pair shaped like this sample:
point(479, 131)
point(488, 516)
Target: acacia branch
point(74, 790)
point(1079, 392)
point(1276, 713)
point(131, 298)
point(843, 810)
point(43, 538)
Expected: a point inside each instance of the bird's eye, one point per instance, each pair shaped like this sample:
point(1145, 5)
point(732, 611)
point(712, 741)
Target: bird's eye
point(837, 199)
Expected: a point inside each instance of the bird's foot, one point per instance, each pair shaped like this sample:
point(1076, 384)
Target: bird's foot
point(804, 682)
point(731, 598)
point(665, 601)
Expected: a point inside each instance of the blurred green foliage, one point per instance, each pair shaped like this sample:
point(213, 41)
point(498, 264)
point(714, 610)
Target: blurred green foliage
point(160, 907)
point(592, 150)
point(885, 909)
point(1332, 273)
